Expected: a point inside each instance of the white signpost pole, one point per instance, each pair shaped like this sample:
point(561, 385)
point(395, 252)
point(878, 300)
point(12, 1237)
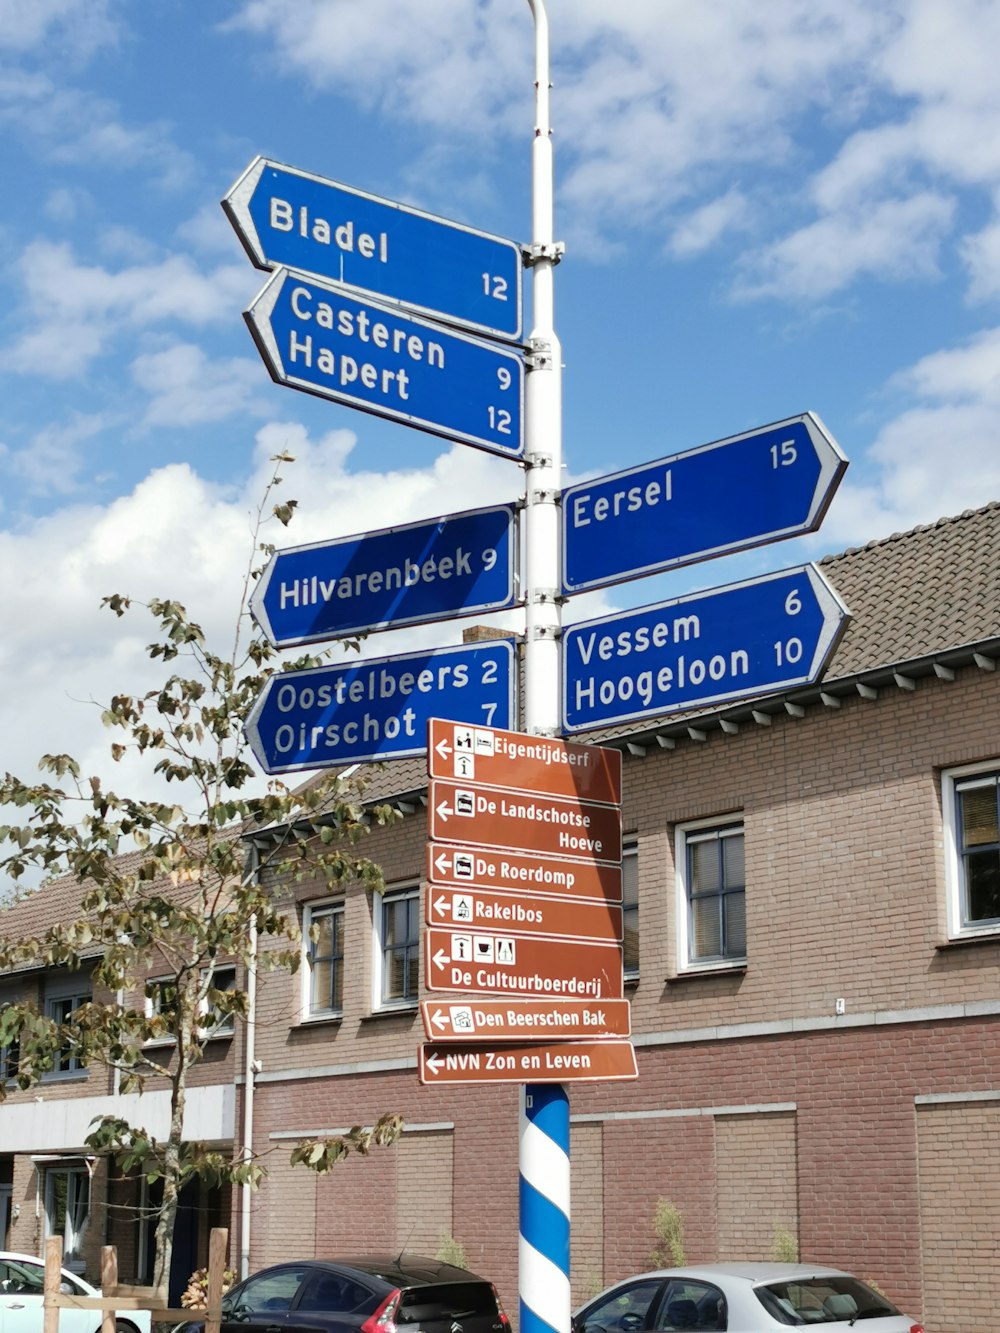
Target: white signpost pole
point(543, 1160)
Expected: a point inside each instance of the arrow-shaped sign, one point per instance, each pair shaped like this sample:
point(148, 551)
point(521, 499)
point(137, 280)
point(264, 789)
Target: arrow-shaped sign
point(731, 495)
point(457, 565)
point(734, 642)
point(325, 340)
point(378, 708)
point(289, 217)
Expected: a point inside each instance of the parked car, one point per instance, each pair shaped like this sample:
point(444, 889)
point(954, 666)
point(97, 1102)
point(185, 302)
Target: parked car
point(22, 1282)
point(741, 1298)
point(369, 1295)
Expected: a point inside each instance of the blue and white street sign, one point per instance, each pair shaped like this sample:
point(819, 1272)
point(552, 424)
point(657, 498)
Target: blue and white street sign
point(290, 218)
point(728, 496)
point(766, 634)
point(322, 339)
point(453, 566)
point(378, 709)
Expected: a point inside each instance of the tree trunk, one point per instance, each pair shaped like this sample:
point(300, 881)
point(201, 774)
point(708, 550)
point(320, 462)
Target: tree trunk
point(164, 1240)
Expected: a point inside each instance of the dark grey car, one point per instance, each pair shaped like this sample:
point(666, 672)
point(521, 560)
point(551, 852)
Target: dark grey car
point(374, 1294)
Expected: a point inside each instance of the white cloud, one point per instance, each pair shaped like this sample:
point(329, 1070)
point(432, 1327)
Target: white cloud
point(176, 535)
point(704, 226)
point(78, 27)
point(892, 239)
point(51, 463)
point(937, 456)
point(185, 388)
point(981, 256)
point(75, 309)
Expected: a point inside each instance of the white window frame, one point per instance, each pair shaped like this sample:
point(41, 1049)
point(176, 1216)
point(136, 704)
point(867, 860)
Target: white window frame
point(72, 1233)
point(323, 907)
point(78, 991)
point(682, 835)
point(379, 1002)
point(953, 878)
point(225, 1028)
point(153, 1004)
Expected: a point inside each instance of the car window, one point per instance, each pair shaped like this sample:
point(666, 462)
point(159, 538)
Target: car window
point(625, 1310)
point(269, 1292)
point(823, 1300)
point(21, 1278)
point(690, 1304)
point(447, 1301)
point(333, 1292)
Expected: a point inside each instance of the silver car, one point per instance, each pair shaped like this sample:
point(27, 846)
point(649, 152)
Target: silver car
point(741, 1298)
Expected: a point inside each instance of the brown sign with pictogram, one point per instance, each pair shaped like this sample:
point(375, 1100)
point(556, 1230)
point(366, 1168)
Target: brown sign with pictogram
point(455, 866)
point(490, 757)
point(479, 909)
point(507, 964)
point(490, 1019)
point(551, 825)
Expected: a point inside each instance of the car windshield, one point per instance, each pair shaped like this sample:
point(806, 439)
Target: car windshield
point(822, 1300)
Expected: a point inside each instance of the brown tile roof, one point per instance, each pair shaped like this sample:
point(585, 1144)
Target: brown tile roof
point(918, 593)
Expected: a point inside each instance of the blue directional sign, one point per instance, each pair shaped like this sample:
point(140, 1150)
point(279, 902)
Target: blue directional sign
point(378, 709)
point(751, 638)
point(319, 338)
point(453, 566)
point(290, 218)
point(728, 496)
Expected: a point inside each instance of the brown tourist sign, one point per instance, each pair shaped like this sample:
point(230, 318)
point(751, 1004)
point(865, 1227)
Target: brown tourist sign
point(558, 1062)
point(505, 964)
point(480, 1019)
point(521, 914)
point(455, 866)
point(490, 757)
point(551, 825)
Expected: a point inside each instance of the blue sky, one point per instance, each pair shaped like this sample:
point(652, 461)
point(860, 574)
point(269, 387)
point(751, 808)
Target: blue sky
point(766, 208)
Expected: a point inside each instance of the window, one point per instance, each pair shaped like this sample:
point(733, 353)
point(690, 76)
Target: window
point(399, 946)
point(67, 1208)
point(630, 909)
point(627, 1307)
point(161, 1002)
point(971, 804)
point(270, 1292)
point(711, 894)
point(221, 1023)
point(323, 927)
point(8, 1066)
point(60, 1005)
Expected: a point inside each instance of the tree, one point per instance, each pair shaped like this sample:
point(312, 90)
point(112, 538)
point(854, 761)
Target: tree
point(170, 880)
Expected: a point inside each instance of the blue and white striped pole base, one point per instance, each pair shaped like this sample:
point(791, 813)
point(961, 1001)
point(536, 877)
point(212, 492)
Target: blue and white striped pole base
point(543, 1243)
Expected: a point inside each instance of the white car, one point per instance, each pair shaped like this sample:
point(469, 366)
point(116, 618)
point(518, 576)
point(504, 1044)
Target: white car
point(740, 1298)
point(22, 1280)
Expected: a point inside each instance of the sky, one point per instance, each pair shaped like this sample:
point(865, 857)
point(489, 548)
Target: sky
point(765, 208)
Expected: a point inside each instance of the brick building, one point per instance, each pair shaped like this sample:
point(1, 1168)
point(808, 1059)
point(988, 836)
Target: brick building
point(813, 959)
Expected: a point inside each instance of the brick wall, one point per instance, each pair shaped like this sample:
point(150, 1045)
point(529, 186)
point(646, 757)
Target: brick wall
point(756, 1184)
point(959, 1148)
